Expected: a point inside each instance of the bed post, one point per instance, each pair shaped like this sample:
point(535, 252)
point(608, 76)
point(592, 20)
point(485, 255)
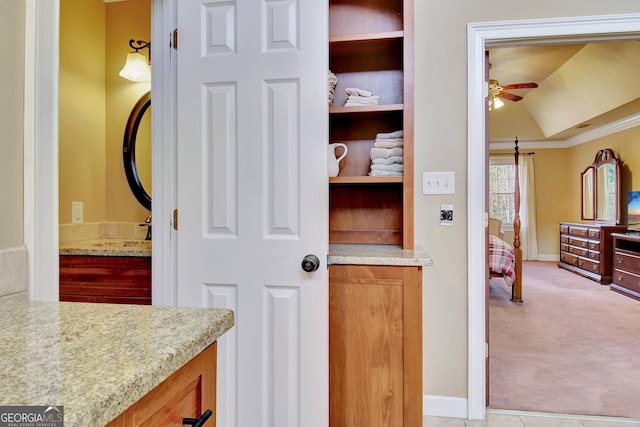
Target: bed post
point(516, 289)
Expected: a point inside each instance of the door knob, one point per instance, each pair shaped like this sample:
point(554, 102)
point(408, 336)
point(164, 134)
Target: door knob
point(310, 263)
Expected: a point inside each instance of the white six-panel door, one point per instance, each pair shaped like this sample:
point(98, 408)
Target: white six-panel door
point(252, 130)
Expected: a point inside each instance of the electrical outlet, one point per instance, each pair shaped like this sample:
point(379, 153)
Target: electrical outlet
point(438, 183)
point(77, 214)
point(446, 214)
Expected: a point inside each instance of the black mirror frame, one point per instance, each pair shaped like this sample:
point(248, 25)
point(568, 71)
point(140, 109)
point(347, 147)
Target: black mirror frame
point(129, 150)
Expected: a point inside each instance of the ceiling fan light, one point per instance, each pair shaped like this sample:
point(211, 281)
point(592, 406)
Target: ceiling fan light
point(496, 103)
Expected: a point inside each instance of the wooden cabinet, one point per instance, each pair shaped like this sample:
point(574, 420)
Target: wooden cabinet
point(188, 393)
point(587, 249)
point(375, 341)
point(626, 265)
point(107, 279)
point(371, 48)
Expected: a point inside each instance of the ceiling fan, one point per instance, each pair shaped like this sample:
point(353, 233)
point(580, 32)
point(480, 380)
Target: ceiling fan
point(496, 92)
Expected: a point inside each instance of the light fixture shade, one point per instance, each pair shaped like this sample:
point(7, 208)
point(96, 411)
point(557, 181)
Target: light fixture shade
point(136, 68)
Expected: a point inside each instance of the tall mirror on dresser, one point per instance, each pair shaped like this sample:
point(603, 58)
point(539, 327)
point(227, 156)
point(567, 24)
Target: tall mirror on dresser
point(586, 246)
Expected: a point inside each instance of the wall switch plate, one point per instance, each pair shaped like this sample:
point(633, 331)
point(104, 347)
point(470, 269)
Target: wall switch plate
point(77, 214)
point(446, 214)
point(438, 183)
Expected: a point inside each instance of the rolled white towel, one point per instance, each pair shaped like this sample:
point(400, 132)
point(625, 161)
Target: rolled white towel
point(394, 134)
point(396, 167)
point(385, 173)
point(384, 153)
point(357, 92)
point(388, 160)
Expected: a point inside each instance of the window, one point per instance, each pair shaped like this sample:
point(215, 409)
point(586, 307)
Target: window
point(501, 188)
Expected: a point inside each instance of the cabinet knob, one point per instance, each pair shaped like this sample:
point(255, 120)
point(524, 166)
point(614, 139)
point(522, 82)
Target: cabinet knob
point(198, 422)
point(310, 263)
point(620, 278)
point(619, 259)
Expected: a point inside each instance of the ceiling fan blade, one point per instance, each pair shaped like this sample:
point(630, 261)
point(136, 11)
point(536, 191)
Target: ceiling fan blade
point(509, 96)
point(521, 86)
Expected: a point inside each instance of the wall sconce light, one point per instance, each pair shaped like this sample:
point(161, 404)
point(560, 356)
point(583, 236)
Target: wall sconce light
point(137, 67)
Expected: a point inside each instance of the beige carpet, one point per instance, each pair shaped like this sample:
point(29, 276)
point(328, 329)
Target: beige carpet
point(572, 347)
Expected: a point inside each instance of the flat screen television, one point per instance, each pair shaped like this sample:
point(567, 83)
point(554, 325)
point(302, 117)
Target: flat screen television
point(633, 211)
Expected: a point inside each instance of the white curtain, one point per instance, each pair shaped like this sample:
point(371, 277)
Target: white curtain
point(528, 239)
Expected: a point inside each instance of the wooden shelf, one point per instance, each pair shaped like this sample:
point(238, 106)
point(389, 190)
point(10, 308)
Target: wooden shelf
point(366, 109)
point(366, 180)
point(368, 37)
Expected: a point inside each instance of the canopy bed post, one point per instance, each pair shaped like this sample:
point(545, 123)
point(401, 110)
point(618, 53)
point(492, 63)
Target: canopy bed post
point(516, 289)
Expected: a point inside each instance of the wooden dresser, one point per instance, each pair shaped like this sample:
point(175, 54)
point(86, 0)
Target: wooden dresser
point(587, 249)
point(626, 265)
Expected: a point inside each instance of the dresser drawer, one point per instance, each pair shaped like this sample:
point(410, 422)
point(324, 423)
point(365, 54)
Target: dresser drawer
point(564, 247)
point(564, 228)
point(626, 280)
point(580, 243)
point(594, 246)
point(568, 258)
point(589, 265)
point(627, 262)
point(579, 231)
point(594, 233)
point(594, 255)
point(579, 251)
point(564, 239)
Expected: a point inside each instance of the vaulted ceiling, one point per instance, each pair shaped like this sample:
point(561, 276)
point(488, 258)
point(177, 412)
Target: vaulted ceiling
point(584, 91)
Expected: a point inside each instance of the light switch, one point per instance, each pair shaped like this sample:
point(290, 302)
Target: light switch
point(77, 214)
point(438, 183)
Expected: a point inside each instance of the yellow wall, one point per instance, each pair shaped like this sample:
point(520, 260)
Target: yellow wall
point(12, 21)
point(94, 106)
point(441, 145)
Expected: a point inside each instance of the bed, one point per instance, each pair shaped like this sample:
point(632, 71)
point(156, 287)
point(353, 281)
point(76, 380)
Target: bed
point(505, 260)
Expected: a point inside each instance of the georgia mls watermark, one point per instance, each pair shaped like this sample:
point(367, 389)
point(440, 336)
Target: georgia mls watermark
point(31, 416)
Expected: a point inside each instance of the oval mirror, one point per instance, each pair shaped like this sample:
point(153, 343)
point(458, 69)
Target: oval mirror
point(137, 140)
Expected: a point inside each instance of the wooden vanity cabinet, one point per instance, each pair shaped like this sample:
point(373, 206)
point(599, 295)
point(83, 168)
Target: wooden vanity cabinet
point(188, 393)
point(626, 265)
point(106, 279)
point(375, 341)
point(587, 249)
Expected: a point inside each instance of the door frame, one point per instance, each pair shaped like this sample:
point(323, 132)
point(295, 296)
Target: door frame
point(482, 36)
point(42, 35)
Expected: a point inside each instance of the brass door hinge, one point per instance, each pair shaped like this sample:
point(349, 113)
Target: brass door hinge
point(174, 42)
point(175, 219)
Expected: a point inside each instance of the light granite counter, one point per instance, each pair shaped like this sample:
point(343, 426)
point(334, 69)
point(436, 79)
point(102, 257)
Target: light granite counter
point(353, 254)
point(96, 359)
point(107, 247)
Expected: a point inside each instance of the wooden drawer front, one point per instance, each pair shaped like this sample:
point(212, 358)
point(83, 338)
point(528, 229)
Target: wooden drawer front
point(564, 247)
point(564, 228)
point(627, 262)
point(579, 231)
point(568, 258)
point(594, 255)
point(589, 265)
point(580, 243)
point(564, 239)
point(578, 251)
point(594, 233)
point(594, 246)
point(626, 280)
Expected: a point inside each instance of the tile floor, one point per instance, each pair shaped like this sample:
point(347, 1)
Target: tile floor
point(500, 418)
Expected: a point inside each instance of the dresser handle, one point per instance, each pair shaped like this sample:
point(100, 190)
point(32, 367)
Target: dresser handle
point(595, 267)
point(198, 422)
point(620, 278)
point(620, 259)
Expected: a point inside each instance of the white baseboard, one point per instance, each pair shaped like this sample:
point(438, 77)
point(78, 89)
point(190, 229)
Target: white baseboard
point(548, 257)
point(444, 406)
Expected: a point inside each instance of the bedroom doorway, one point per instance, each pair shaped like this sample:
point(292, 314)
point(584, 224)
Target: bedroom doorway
point(483, 36)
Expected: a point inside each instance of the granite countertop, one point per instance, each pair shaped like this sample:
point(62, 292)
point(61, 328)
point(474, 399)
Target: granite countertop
point(96, 359)
point(352, 254)
point(107, 247)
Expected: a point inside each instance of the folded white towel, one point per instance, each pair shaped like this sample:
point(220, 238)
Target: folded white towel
point(386, 144)
point(385, 173)
point(360, 103)
point(395, 134)
point(357, 92)
point(362, 98)
point(396, 167)
point(384, 153)
point(390, 139)
point(388, 160)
